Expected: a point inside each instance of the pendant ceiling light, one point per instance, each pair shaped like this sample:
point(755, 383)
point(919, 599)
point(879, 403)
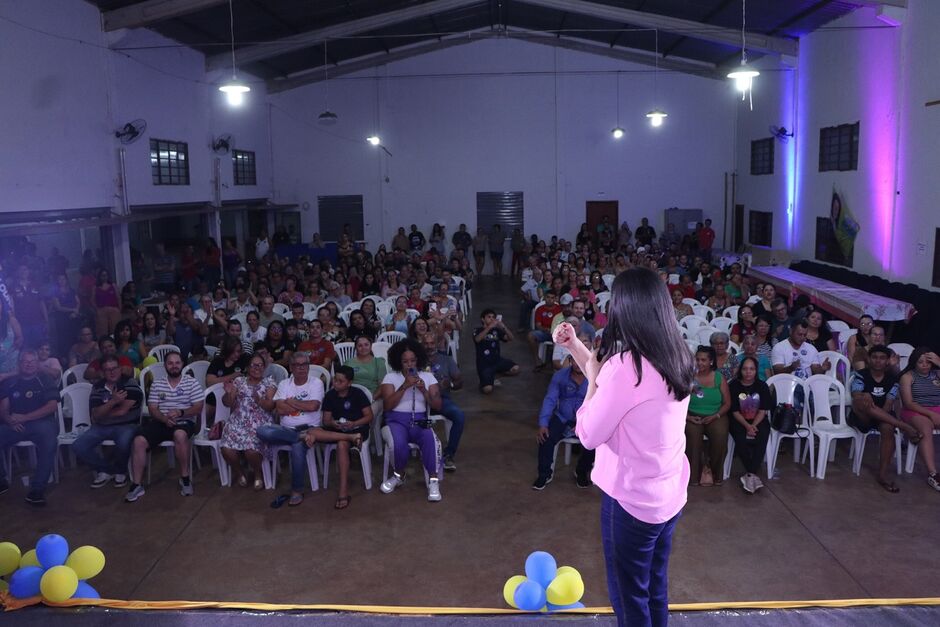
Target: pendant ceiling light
point(657, 115)
point(234, 89)
point(744, 76)
point(327, 118)
point(617, 131)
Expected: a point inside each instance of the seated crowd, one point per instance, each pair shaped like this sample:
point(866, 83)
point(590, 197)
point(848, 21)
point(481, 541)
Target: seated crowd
point(290, 348)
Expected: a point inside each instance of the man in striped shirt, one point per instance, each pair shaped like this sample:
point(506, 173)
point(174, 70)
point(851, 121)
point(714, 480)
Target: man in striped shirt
point(174, 402)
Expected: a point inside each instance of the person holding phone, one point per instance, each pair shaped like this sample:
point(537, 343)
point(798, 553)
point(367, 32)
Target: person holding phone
point(408, 395)
point(490, 362)
point(633, 416)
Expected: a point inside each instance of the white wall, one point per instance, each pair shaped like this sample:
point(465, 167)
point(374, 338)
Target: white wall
point(452, 136)
point(857, 70)
point(63, 100)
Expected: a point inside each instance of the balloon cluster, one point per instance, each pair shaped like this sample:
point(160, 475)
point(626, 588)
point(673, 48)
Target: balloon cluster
point(49, 570)
point(546, 587)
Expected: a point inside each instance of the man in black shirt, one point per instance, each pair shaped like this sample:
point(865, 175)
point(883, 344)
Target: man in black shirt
point(346, 410)
point(461, 239)
point(645, 234)
point(27, 414)
point(416, 239)
point(874, 392)
point(115, 405)
point(489, 360)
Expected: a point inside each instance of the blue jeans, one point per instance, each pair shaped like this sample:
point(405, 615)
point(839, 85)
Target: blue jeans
point(86, 447)
point(637, 558)
point(453, 413)
point(278, 435)
point(43, 433)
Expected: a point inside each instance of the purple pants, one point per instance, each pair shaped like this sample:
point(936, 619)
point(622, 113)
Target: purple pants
point(404, 433)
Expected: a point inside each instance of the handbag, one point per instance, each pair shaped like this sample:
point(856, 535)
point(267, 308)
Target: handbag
point(785, 419)
point(215, 433)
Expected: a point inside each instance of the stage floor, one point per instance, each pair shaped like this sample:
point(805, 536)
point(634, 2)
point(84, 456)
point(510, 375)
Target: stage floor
point(799, 538)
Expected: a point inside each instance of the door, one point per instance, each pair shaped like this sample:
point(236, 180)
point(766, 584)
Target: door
point(597, 210)
point(738, 227)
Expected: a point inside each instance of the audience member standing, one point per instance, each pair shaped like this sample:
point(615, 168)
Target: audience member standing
point(30, 308)
point(645, 234)
point(496, 242)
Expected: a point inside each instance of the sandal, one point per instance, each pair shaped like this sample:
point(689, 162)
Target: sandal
point(357, 441)
point(889, 486)
point(295, 500)
point(342, 502)
point(916, 438)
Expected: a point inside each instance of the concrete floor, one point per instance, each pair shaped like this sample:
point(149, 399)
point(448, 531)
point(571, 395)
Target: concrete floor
point(799, 538)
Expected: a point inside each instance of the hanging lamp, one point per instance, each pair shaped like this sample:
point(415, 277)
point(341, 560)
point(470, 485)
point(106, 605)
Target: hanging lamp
point(744, 76)
point(234, 89)
point(657, 115)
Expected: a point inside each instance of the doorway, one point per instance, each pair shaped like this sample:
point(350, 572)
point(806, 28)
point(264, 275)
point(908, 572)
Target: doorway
point(597, 210)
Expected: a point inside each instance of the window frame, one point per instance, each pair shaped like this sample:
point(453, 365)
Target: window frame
point(838, 147)
point(244, 167)
point(762, 163)
point(167, 170)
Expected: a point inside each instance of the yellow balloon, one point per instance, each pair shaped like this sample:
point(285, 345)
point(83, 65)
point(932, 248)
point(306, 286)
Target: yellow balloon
point(9, 558)
point(4, 586)
point(58, 584)
point(86, 561)
point(29, 559)
point(567, 569)
point(509, 589)
point(565, 589)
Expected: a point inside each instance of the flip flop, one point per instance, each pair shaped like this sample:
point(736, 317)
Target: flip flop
point(295, 500)
point(915, 439)
point(889, 486)
point(345, 500)
point(279, 501)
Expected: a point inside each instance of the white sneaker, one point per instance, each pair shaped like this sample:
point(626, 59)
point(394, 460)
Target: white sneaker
point(388, 486)
point(756, 483)
point(101, 480)
point(135, 494)
point(747, 484)
point(120, 481)
point(434, 490)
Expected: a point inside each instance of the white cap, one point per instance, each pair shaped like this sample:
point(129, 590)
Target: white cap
point(567, 299)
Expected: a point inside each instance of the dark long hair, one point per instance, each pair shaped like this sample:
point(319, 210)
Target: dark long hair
point(918, 352)
point(642, 321)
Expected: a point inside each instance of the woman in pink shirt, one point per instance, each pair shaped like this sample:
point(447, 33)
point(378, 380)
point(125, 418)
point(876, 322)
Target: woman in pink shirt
point(634, 416)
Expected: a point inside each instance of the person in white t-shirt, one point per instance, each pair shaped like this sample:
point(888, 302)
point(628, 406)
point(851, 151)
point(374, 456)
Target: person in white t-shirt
point(262, 245)
point(796, 356)
point(298, 399)
point(408, 393)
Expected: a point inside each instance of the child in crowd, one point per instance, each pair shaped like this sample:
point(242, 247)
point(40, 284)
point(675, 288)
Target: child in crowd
point(488, 339)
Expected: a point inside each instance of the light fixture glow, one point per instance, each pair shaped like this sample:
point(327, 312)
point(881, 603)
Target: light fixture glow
point(374, 140)
point(234, 90)
point(743, 77)
point(656, 117)
point(617, 132)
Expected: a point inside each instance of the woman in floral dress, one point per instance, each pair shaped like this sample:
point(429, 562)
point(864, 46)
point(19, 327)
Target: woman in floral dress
point(251, 399)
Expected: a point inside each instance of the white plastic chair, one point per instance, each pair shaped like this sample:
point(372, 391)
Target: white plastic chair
point(903, 351)
point(844, 340)
point(693, 322)
point(384, 309)
point(702, 311)
point(201, 439)
point(691, 302)
point(837, 326)
point(785, 386)
point(344, 316)
point(753, 299)
point(77, 395)
point(241, 318)
point(389, 456)
point(309, 308)
point(603, 301)
point(912, 453)
point(77, 372)
point(391, 337)
point(198, 370)
point(276, 372)
point(734, 348)
point(211, 351)
point(161, 350)
point(826, 427)
point(723, 324)
point(380, 349)
point(673, 279)
point(608, 279)
point(345, 351)
point(729, 456)
point(858, 449)
point(704, 335)
point(323, 373)
point(282, 309)
point(365, 458)
point(693, 345)
point(156, 371)
point(271, 466)
point(731, 311)
point(569, 443)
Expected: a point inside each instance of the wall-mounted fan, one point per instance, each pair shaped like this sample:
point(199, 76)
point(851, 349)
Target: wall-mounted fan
point(781, 133)
point(131, 132)
point(222, 144)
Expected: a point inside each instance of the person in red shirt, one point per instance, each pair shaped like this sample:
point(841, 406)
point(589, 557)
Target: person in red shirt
point(321, 350)
point(706, 237)
point(415, 301)
point(108, 349)
point(544, 314)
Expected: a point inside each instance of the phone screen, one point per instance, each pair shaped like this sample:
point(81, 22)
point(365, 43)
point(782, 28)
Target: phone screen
point(433, 306)
point(499, 317)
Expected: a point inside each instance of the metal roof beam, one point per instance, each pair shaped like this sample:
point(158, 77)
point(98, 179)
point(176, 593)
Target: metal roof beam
point(696, 30)
point(901, 4)
point(152, 11)
point(252, 54)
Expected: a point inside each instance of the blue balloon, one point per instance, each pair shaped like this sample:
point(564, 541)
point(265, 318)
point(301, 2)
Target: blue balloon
point(530, 596)
point(52, 550)
point(574, 606)
point(85, 591)
point(25, 582)
point(541, 567)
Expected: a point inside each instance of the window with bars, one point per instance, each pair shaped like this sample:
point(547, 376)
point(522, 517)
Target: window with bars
point(762, 156)
point(760, 227)
point(243, 162)
point(169, 162)
point(838, 148)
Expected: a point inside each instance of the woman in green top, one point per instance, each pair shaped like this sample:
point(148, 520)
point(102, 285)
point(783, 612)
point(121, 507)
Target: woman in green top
point(369, 370)
point(708, 415)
